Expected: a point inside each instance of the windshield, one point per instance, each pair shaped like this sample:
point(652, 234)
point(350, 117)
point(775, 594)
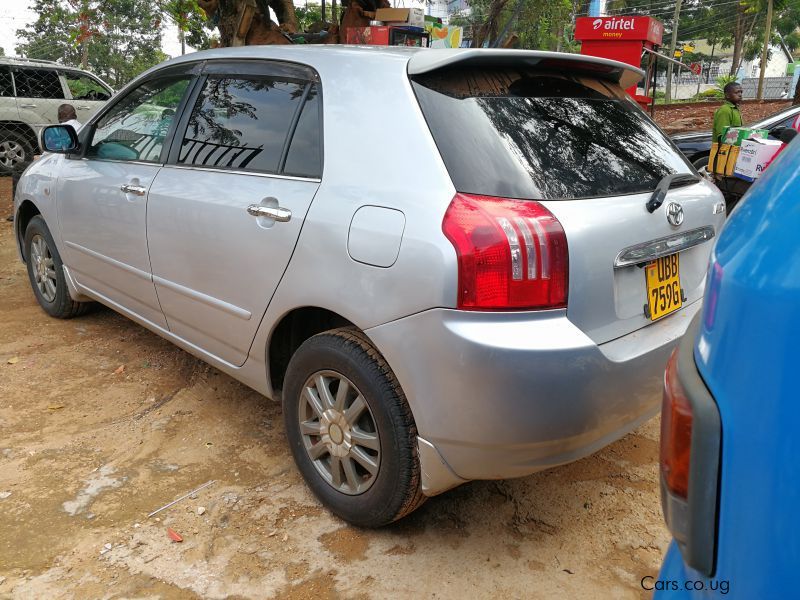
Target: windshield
point(536, 135)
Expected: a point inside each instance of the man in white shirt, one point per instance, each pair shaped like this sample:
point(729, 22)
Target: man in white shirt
point(67, 116)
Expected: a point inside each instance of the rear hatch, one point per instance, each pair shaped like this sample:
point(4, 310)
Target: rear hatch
point(560, 130)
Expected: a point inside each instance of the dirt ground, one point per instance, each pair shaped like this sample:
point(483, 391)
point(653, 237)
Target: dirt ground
point(699, 116)
point(102, 422)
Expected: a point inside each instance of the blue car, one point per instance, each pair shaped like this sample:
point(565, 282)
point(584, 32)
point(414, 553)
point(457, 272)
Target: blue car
point(730, 448)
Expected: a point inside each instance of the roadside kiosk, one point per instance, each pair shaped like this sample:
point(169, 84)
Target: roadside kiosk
point(624, 39)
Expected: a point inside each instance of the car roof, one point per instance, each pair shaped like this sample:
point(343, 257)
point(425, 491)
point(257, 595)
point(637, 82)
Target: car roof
point(423, 60)
point(30, 62)
point(778, 116)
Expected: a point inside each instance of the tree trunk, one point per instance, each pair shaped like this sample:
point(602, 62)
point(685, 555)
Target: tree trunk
point(243, 22)
point(738, 39)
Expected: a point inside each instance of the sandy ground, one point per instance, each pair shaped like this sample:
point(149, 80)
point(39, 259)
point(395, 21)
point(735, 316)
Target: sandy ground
point(102, 422)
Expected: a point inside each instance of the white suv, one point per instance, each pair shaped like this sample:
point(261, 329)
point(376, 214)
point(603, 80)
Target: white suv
point(30, 94)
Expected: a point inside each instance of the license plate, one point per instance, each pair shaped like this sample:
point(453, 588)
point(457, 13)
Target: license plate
point(663, 287)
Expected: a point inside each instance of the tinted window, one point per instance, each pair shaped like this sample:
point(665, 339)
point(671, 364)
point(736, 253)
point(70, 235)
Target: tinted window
point(305, 151)
point(241, 123)
point(83, 87)
point(135, 127)
point(6, 85)
point(38, 83)
point(524, 134)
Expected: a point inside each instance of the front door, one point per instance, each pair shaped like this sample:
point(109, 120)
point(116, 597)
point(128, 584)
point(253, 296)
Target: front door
point(88, 95)
point(102, 197)
point(223, 220)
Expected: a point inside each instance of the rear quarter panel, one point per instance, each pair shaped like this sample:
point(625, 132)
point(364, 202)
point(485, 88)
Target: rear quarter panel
point(378, 152)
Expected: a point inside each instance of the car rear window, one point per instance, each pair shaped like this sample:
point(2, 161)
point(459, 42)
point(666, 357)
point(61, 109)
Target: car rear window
point(528, 134)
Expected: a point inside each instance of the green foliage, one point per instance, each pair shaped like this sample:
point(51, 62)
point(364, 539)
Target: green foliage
point(721, 82)
point(193, 26)
point(115, 39)
point(713, 93)
point(307, 16)
point(538, 24)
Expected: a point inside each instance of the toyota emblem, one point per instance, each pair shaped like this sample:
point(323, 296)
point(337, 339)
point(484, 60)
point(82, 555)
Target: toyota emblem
point(674, 214)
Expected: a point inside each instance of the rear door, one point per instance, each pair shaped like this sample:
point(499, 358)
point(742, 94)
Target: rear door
point(225, 214)
point(577, 144)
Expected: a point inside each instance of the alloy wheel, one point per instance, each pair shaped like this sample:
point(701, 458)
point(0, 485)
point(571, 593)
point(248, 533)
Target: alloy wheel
point(339, 432)
point(44, 269)
point(11, 153)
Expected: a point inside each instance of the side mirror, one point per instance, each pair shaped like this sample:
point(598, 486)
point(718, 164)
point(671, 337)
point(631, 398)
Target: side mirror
point(59, 138)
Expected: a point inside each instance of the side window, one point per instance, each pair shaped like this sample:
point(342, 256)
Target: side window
point(38, 83)
point(83, 87)
point(6, 84)
point(240, 123)
point(305, 152)
point(135, 127)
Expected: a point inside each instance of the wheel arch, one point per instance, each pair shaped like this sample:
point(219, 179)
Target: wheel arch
point(25, 129)
point(289, 333)
point(27, 210)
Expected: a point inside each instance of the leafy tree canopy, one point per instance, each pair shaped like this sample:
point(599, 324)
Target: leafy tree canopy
point(115, 39)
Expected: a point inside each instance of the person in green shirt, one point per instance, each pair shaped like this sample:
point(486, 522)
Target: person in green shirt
point(728, 114)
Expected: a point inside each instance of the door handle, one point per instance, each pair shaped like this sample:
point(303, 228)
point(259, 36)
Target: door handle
point(136, 190)
point(83, 107)
point(27, 106)
point(278, 214)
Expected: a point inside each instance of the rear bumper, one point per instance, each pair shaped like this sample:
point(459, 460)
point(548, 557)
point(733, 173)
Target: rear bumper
point(502, 395)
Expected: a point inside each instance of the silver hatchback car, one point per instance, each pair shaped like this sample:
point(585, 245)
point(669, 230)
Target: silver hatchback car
point(452, 264)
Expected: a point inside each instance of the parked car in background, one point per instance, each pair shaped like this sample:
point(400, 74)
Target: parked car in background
point(730, 478)
point(446, 281)
point(696, 146)
point(30, 94)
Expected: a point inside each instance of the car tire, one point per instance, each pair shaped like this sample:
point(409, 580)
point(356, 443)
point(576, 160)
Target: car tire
point(356, 446)
point(701, 163)
point(46, 273)
point(16, 152)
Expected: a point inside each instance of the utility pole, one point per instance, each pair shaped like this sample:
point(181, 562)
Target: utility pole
point(767, 32)
point(675, 19)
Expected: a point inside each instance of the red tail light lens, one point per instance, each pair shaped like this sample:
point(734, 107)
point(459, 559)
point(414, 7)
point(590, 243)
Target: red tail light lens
point(512, 254)
point(676, 432)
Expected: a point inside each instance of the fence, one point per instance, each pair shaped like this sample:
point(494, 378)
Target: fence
point(774, 87)
point(685, 86)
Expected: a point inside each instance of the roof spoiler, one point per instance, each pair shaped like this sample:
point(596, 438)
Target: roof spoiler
point(426, 61)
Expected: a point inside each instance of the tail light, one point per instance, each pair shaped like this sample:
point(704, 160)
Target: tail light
point(691, 445)
point(676, 432)
point(512, 254)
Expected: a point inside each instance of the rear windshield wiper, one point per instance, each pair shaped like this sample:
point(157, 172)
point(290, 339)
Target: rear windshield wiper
point(657, 199)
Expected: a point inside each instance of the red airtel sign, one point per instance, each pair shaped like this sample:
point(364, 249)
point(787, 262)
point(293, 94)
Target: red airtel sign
point(642, 29)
